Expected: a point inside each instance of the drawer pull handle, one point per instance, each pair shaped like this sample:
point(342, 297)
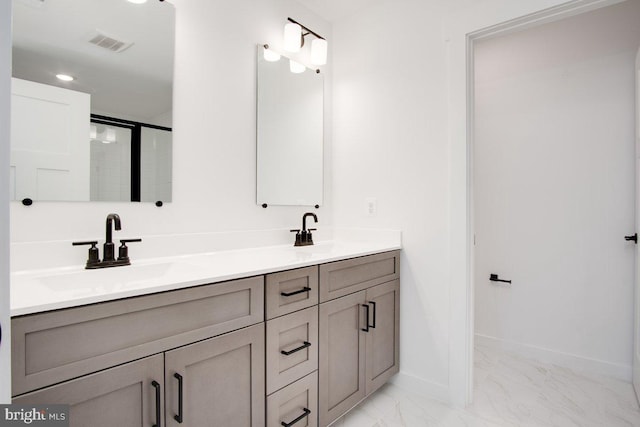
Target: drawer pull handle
point(295, 350)
point(306, 414)
point(366, 318)
point(300, 291)
point(178, 417)
point(156, 385)
point(373, 326)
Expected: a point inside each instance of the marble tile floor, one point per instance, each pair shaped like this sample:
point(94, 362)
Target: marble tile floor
point(510, 390)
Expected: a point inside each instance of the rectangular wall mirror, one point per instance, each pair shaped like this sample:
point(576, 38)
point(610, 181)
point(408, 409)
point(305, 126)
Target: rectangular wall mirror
point(104, 133)
point(289, 132)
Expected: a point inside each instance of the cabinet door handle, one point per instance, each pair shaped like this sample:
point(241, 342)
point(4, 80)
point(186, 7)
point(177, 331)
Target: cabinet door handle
point(300, 291)
point(156, 385)
point(373, 325)
point(295, 350)
point(366, 317)
point(178, 417)
point(306, 414)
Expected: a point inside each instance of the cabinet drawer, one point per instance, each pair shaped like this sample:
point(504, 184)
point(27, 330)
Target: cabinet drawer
point(56, 346)
point(298, 401)
point(297, 335)
point(290, 291)
point(341, 278)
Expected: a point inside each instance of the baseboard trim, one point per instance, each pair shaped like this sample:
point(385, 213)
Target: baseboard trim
point(568, 360)
point(422, 387)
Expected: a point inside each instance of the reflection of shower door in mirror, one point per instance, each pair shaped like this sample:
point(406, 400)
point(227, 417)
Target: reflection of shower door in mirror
point(130, 161)
point(49, 161)
point(155, 164)
point(110, 175)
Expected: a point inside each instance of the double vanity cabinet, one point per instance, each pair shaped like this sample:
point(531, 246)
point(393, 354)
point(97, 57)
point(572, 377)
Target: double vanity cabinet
point(297, 347)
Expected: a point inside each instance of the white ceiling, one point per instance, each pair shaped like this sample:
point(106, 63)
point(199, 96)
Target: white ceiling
point(51, 36)
point(336, 10)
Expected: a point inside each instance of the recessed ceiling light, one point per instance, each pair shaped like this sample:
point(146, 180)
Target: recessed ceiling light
point(137, 1)
point(65, 77)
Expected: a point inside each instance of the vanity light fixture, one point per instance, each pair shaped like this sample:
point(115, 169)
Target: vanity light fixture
point(270, 55)
point(293, 37)
point(102, 134)
point(110, 136)
point(65, 77)
point(296, 67)
point(294, 40)
point(319, 52)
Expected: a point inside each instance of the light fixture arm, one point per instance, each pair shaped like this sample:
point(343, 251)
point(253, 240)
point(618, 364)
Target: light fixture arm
point(306, 29)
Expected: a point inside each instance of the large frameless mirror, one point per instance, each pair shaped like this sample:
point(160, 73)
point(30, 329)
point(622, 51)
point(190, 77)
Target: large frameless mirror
point(289, 132)
point(91, 113)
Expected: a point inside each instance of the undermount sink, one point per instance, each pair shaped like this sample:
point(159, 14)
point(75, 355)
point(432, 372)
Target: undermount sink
point(115, 278)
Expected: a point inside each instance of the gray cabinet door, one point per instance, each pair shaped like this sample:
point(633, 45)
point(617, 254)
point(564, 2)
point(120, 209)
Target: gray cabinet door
point(122, 396)
point(341, 356)
point(223, 381)
point(383, 339)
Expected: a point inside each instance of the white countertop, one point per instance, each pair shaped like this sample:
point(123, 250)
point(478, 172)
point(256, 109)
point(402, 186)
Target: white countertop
point(53, 289)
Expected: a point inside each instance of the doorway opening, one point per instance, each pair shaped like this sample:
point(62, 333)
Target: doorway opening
point(552, 166)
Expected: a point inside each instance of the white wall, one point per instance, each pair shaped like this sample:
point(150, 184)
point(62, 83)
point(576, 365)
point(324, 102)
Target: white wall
point(390, 145)
point(5, 119)
point(400, 135)
point(214, 133)
point(554, 187)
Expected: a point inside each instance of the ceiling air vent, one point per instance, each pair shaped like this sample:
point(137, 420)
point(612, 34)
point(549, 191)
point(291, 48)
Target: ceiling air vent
point(110, 43)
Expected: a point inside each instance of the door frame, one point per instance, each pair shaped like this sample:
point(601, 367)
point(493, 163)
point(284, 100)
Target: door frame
point(5, 120)
point(540, 17)
point(635, 361)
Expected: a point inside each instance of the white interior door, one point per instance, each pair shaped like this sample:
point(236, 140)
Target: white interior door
point(49, 161)
point(636, 323)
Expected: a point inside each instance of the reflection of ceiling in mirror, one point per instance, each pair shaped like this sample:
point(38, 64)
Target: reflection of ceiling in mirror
point(52, 36)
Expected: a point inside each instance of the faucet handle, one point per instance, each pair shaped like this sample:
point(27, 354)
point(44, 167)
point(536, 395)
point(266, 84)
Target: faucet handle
point(124, 241)
point(123, 250)
point(309, 236)
point(94, 253)
point(92, 242)
point(298, 237)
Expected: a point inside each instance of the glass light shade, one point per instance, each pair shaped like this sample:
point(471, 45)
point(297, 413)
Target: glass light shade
point(271, 56)
point(296, 67)
point(292, 37)
point(110, 136)
point(93, 132)
point(319, 52)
